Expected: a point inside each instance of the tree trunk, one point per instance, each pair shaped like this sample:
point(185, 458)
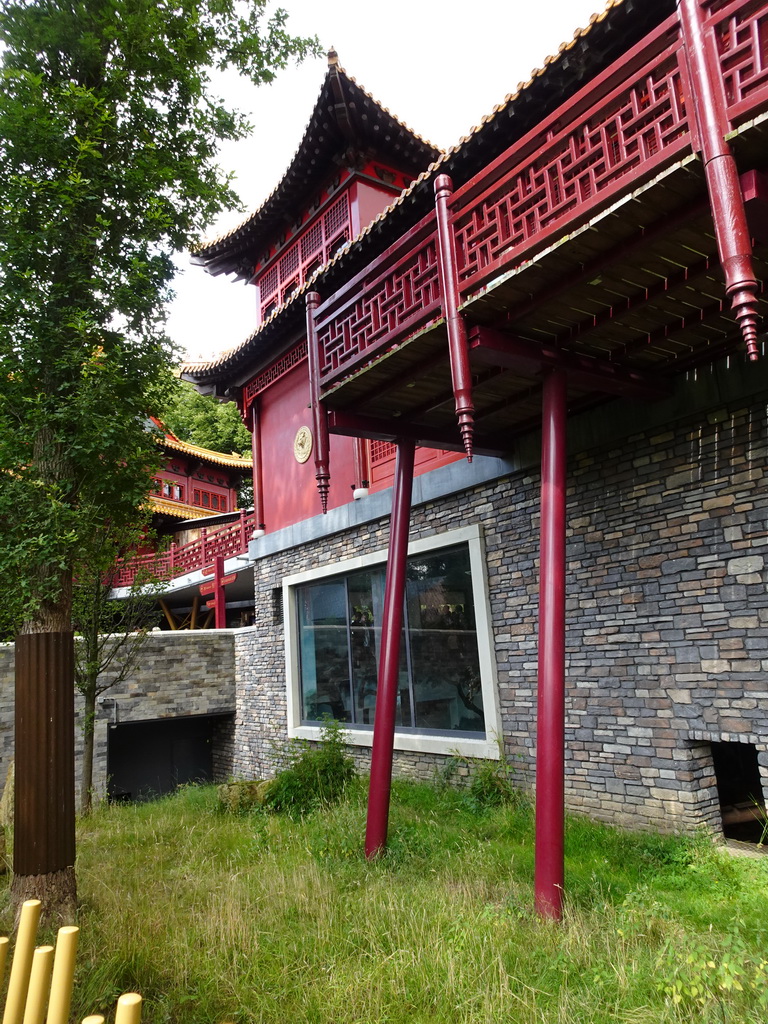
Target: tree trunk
point(44, 822)
point(89, 722)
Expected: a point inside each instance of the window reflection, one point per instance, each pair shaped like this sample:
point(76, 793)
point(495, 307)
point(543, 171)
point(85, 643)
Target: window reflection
point(340, 638)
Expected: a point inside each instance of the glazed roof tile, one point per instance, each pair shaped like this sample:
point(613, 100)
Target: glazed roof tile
point(176, 509)
point(232, 461)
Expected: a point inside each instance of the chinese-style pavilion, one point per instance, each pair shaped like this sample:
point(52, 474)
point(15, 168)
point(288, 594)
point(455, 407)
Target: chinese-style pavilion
point(194, 484)
point(563, 314)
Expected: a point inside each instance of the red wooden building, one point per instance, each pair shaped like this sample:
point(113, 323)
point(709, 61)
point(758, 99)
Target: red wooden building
point(572, 299)
point(195, 484)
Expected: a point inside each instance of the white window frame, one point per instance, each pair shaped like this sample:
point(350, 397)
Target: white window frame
point(412, 740)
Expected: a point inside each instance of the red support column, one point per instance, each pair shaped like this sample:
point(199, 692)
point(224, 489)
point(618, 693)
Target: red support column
point(389, 663)
point(734, 242)
point(219, 600)
point(258, 485)
point(458, 351)
point(321, 445)
point(550, 733)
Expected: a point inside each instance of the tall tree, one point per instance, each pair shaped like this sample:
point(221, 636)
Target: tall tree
point(110, 633)
point(109, 131)
point(204, 420)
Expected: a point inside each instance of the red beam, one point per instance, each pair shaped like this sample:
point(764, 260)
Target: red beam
point(320, 422)
point(461, 375)
point(389, 665)
point(586, 373)
point(258, 483)
point(347, 424)
point(550, 731)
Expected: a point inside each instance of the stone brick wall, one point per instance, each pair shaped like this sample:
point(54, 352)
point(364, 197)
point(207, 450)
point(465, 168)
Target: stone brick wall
point(178, 674)
point(667, 643)
point(667, 637)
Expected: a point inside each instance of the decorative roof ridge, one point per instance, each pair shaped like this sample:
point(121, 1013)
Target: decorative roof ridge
point(334, 68)
point(220, 458)
point(170, 440)
point(425, 176)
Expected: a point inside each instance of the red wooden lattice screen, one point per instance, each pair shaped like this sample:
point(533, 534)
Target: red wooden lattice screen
point(624, 127)
point(315, 246)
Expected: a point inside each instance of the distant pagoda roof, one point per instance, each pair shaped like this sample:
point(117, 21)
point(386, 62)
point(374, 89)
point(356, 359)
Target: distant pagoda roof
point(345, 118)
point(170, 442)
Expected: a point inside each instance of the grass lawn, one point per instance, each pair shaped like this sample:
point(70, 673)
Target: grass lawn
point(256, 917)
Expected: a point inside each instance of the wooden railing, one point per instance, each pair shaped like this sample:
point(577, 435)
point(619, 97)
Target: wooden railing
point(178, 559)
point(624, 127)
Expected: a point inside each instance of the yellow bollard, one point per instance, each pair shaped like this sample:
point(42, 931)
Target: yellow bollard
point(4, 943)
point(128, 1009)
point(22, 962)
point(39, 985)
point(93, 1019)
point(63, 975)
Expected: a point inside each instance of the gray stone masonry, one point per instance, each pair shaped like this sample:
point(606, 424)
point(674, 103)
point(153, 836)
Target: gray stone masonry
point(667, 637)
point(178, 674)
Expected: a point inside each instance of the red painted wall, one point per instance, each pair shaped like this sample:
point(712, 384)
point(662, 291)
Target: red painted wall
point(382, 463)
point(290, 490)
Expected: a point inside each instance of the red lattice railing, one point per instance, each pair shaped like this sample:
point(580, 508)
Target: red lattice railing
point(555, 178)
point(741, 36)
point(180, 559)
point(374, 309)
point(621, 129)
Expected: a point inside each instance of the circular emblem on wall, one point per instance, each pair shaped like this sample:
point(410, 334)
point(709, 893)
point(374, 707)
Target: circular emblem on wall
point(302, 444)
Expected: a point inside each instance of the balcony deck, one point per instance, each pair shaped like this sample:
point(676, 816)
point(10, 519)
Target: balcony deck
point(588, 243)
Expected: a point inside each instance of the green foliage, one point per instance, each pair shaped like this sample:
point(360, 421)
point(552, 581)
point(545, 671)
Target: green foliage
point(109, 132)
point(202, 420)
point(314, 775)
point(242, 794)
point(701, 973)
point(489, 781)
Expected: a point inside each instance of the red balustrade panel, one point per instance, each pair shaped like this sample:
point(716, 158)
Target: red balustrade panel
point(381, 307)
point(228, 541)
point(741, 35)
point(628, 131)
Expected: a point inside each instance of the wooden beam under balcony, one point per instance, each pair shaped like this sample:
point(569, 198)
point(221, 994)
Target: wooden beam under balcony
point(375, 429)
point(586, 373)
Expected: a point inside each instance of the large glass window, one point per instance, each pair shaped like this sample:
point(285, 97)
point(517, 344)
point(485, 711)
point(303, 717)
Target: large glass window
point(339, 635)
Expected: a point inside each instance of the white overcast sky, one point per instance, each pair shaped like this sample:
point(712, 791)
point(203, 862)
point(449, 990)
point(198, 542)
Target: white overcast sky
point(437, 67)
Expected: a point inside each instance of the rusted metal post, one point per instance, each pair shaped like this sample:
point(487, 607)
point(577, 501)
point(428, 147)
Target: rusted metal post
point(734, 242)
point(258, 486)
point(389, 660)
point(319, 420)
point(458, 351)
point(550, 732)
point(44, 817)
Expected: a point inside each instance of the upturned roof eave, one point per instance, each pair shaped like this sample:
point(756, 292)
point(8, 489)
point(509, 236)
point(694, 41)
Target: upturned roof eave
point(221, 255)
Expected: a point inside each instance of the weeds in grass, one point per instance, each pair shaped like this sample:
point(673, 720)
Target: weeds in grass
point(313, 776)
point(261, 918)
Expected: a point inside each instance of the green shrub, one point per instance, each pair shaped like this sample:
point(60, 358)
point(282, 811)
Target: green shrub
point(489, 781)
point(314, 775)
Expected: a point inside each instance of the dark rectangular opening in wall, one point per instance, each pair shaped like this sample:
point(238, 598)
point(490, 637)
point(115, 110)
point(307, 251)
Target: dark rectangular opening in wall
point(740, 791)
point(150, 759)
